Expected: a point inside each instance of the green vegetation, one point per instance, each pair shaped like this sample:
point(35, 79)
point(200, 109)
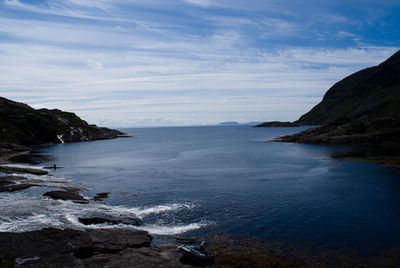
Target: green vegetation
point(362, 109)
point(368, 94)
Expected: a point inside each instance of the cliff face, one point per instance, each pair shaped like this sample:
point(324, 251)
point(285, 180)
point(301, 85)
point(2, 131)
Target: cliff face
point(21, 124)
point(370, 93)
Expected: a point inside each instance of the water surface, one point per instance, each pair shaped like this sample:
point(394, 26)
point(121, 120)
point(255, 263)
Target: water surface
point(193, 181)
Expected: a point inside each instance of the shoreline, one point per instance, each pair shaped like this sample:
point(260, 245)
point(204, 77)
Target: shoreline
point(111, 247)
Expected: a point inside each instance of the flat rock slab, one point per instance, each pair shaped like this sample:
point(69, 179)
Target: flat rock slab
point(108, 242)
point(34, 171)
point(66, 195)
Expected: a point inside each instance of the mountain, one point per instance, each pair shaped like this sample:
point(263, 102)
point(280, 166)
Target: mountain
point(20, 124)
point(362, 109)
point(370, 93)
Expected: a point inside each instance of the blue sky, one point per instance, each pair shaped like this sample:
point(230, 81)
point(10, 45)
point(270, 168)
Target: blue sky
point(124, 63)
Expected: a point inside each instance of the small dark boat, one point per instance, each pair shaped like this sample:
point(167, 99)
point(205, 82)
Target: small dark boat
point(196, 253)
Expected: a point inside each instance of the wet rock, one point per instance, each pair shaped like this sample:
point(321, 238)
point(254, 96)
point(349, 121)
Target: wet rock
point(13, 184)
point(102, 195)
point(94, 248)
point(12, 178)
point(44, 248)
point(64, 195)
point(110, 242)
point(101, 218)
point(34, 171)
point(13, 187)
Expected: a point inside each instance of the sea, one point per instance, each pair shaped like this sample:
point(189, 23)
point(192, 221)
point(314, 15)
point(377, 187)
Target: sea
point(196, 181)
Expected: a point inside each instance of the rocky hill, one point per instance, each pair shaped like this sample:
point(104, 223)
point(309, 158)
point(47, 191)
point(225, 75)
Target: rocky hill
point(362, 109)
point(371, 93)
point(20, 124)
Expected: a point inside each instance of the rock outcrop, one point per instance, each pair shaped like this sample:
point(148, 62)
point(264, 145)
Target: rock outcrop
point(102, 218)
point(363, 109)
point(20, 124)
point(373, 93)
point(360, 132)
point(90, 248)
point(66, 195)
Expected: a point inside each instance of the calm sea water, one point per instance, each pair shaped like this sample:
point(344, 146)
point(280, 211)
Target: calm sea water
point(192, 181)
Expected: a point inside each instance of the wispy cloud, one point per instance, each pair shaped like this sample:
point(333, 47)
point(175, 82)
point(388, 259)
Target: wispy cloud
point(127, 63)
point(202, 3)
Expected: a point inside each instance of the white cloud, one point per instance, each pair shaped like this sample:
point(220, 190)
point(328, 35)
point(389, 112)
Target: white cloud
point(201, 68)
point(203, 3)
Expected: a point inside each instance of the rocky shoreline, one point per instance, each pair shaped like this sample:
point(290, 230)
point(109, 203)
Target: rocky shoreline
point(89, 248)
point(363, 133)
point(105, 247)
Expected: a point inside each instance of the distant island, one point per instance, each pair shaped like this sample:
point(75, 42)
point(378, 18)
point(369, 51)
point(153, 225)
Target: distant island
point(22, 126)
point(363, 109)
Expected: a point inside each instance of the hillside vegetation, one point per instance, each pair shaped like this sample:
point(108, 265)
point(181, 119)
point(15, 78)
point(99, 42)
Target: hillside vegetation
point(22, 125)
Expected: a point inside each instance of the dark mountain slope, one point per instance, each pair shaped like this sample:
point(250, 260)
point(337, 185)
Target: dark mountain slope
point(23, 125)
point(362, 109)
point(373, 93)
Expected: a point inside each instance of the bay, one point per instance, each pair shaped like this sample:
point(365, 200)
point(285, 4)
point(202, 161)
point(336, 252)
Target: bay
point(193, 181)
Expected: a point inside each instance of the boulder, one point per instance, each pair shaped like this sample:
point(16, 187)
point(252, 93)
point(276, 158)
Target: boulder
point(65, 195)
point(101, 218)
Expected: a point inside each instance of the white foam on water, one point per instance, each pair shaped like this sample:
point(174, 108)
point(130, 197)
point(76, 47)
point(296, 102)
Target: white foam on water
point(23, 166)
point(171, 230)
point(21, 212)
point(142, 212)
point(29, 223)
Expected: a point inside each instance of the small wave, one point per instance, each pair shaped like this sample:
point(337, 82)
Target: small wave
point(30, 223)
point(40, 177)
point(21, 212)
point(143, 212)
point(23, 166)
point(172, 230)
point(154, 229)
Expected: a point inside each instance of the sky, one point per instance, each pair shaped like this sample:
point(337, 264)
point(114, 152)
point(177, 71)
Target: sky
point(137, 63)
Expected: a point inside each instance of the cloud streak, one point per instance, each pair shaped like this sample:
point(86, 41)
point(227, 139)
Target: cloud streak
point(126, 63)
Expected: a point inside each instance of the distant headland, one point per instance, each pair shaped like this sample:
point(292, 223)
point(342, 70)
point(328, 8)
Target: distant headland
point(363, 109)
point(22, 126)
